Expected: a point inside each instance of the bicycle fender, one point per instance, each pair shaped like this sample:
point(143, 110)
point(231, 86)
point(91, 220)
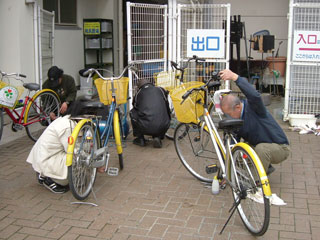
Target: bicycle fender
point(262, 173)
point(36, 95)
point(116, 130)
point(71, 140)
point(49, 90)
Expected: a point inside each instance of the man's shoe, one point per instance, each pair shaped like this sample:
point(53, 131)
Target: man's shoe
point(40, 178)
point(157, 142)
point(54, 187)
point(270, 170)
point(139, 141)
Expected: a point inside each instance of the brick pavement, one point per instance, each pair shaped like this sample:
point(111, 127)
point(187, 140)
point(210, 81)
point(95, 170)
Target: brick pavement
point(154, 197)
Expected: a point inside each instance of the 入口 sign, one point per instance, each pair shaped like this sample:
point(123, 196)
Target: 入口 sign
point(306, 46)
point(206, 43)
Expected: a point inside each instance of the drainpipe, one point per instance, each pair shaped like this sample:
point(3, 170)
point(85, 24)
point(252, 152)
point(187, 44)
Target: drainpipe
point(35, 38)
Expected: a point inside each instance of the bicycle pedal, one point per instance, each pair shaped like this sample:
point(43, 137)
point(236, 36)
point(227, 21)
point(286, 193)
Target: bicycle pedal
point(196, 139)
point(211, 169)
point(113, 171)
point(223, 186)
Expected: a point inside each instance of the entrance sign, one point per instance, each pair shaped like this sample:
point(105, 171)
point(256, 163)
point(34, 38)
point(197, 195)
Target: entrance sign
point(206, 43)
point(306, 46)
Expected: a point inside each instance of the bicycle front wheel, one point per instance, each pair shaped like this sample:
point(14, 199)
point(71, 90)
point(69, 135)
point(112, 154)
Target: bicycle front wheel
point(254, 207)
point(117, 136)
point(195, 150)
point(81, 174)
point(37, 116)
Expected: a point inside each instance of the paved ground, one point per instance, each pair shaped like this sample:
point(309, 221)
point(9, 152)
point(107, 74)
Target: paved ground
point(154, 197)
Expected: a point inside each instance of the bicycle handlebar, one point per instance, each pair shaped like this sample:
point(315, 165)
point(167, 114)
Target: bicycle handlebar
point(3, 74)
point(194, 57)
point(215, 78)
point(92, 70)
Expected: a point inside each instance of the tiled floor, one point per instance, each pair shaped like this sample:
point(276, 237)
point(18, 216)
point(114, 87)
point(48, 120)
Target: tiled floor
point(154, 197)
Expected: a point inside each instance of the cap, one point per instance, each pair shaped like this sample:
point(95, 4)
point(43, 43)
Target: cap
point(54, 73)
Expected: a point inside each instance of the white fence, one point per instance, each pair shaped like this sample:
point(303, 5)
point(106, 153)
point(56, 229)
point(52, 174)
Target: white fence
point(302, 98)
point(147, 29)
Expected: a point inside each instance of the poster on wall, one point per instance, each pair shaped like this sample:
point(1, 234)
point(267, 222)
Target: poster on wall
point(206, 43)
point(306, 46)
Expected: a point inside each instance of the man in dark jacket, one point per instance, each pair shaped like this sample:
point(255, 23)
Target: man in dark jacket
point(259, 129)
point(150, 114)
point(64, 85)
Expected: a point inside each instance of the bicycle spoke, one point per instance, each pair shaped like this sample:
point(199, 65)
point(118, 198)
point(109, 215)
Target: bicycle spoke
point(38, 113)
point(254, 208)
point(83, 175)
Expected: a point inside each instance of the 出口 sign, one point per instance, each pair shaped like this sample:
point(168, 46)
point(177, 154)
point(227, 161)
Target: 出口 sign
point(206, 43)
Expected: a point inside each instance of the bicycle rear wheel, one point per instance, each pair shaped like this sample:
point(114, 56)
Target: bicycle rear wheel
point(38, 113)
point(173, 124)
point(195, 150)
point(254, 207)
point(1, 123)
point(81, 174)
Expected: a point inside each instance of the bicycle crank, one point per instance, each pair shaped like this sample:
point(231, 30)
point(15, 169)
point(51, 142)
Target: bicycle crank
point(16, 126)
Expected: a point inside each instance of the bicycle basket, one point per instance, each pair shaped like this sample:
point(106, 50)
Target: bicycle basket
point(105, 90)
point(166, 79)
point(191, 109)
point(9, 94)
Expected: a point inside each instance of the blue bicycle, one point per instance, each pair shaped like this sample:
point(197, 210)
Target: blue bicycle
point(88, 144)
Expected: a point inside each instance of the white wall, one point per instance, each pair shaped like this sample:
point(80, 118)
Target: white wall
point(259, 15)
point(16, 41)
point(69, 53)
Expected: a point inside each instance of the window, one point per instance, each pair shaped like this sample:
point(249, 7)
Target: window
point(65, 11)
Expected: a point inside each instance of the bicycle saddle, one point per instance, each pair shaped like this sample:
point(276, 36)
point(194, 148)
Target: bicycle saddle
point(214, 85)
point(229, 124)
point(32, 86)
point(93, 104)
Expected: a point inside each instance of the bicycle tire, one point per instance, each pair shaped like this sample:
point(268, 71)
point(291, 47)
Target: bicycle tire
point(81, 175)
point(1, 123)
point(124, 124)
point(173, 124)
point(195, 150)
point(38, 110)
point(117, 137)
point(254, 215)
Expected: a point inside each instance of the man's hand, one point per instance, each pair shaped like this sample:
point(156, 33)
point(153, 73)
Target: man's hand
point(228, 75)
point(63, 108)
point(53, 116)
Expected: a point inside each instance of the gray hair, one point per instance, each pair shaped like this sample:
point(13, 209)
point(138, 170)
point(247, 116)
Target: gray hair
point(231, 101)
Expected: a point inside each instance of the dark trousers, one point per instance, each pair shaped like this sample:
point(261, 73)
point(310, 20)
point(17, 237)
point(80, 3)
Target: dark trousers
point(140, 132)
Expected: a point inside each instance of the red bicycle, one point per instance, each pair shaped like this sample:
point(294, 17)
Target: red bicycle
point(34, 115)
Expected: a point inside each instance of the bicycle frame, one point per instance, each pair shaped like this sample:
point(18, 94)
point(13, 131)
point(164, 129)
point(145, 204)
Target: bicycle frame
point(21, 119)
point(15, 116)
point(105, 134)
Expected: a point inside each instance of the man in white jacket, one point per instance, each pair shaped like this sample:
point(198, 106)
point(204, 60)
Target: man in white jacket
point(48, 155)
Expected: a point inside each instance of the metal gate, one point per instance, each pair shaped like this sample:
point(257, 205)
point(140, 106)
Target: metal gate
point(203, 16)
point(147, 40)
point(302, 95)
point(45, 43)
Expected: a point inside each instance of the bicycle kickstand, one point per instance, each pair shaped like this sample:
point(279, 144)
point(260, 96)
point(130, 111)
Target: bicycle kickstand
point(233, 208)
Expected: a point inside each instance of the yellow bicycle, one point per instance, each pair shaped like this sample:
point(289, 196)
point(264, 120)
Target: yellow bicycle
point(203, 151)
